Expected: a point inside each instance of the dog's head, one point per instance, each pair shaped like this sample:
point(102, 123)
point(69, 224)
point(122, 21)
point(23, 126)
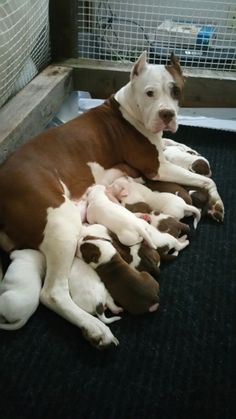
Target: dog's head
point(156, 91)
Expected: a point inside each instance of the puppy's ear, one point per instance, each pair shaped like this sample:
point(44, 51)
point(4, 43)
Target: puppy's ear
point(139, 65)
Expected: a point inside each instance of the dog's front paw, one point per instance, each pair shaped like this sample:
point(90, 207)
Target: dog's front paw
point(99, 335)
point(216, 210)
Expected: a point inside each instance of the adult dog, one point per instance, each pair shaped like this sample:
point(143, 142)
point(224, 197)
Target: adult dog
point(42, 181)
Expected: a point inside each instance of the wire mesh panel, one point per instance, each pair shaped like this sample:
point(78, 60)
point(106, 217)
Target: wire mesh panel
point(202, 33)
point(24, 43)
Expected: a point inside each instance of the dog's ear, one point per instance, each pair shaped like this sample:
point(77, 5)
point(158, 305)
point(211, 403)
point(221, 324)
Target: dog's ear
point(174, 62)
point(175, 70)
point(139, 65)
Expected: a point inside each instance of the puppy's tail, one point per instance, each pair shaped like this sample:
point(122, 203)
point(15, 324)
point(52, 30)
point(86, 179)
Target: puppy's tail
point(195, 212)
point(108, 320)
point(144, 233)
point(11, 326)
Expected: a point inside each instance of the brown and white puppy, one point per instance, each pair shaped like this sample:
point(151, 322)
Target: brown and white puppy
point(89, 292)
point(169, 187)
point(137, 292)
point(139, 256)
point(186, 157)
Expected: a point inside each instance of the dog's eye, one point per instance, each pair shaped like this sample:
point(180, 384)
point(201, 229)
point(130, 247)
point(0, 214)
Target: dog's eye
point(175, 91)
point(150, 93)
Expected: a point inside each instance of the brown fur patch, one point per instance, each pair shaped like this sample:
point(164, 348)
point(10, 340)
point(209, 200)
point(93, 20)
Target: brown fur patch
point(201, 167)
point(139, 207)
point(173, 227)
point(150, 260)
point(123, 250)
point(171, 187)
point(135, 291)
point(90, 252)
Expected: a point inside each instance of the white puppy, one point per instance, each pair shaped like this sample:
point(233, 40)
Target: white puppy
point(89, 292)
point(127, 191)
point(128, 228)
point(20, 288)
point(186, 157)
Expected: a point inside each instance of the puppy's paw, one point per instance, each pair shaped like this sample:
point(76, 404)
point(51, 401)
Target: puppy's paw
point(99, 335)
point(216, 210)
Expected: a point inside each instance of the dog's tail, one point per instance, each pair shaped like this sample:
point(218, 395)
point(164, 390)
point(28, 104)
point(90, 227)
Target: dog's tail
point(144, 233)
point(191, 210)
point(12, 326)
point(108, 320)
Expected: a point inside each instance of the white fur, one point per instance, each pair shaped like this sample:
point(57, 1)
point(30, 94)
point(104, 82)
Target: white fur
point(20, 288)
point(122, 222)
point(97, 230)
point(88, 291)
point(176, 155)
point(59, 245)
point(102, 176)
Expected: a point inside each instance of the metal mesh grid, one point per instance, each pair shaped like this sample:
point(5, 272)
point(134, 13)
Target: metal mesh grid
point(24, 43)
point(202, 33)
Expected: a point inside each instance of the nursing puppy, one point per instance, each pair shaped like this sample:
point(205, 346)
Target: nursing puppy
point(137, 292)
point(140, 256)
point(89, 293)
point(127, 191)
point(119, 220)
point(20, 288)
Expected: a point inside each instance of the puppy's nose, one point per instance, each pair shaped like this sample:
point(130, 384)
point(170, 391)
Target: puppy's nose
point(166, 115)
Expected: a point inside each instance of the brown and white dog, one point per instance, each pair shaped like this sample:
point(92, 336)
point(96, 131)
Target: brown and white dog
point(42, 181)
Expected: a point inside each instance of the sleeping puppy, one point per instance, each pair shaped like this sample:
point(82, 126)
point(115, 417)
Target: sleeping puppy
point(20, 288)
point(89, 292)
point(137, 292)
point(119, 220)
point(186, 157)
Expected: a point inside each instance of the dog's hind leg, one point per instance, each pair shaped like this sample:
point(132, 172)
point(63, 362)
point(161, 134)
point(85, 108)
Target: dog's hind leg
point(59, 245)
point(172, 173)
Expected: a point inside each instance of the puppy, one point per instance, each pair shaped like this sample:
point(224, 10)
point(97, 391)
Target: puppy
point(140, 256)
point(165, 242)
point(137, 292)
point(166, 224)
point(89, 292)
point(186, 157)
point(119, 220)
point(20, 288)
point(128, 192)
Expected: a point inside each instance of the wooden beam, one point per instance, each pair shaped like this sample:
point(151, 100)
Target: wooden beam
point(204, 88)
point(27, 113)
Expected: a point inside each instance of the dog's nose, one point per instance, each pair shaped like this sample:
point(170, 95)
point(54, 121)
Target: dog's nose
point(166, 115)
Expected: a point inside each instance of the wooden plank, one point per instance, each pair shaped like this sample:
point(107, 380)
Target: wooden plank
point(204, 88)
point(27, 113)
